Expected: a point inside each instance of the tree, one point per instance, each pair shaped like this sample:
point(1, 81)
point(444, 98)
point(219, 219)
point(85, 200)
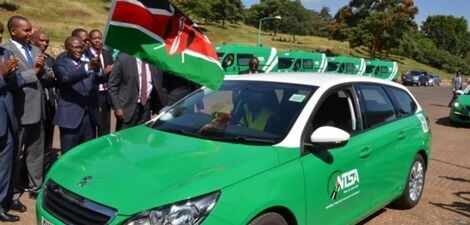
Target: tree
point(228, 10)
point(448, 33)
point(377, 24)
point(325, 13)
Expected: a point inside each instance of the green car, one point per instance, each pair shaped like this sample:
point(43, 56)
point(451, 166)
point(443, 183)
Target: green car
point(272, 149)
point(460, 110)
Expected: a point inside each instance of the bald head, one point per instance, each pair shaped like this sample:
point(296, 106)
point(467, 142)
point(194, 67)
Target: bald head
point(75, 47)
point(40, 39)
point(20, 29)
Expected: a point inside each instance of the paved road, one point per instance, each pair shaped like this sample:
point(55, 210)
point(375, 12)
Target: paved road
point(446, 198)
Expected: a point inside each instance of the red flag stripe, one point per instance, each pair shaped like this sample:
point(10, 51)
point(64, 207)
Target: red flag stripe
point(126, 12)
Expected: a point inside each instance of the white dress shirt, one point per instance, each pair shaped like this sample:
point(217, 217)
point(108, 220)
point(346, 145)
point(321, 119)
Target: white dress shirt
point(149, 78)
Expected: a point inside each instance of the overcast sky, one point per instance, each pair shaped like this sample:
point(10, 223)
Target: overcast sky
point(456, 8)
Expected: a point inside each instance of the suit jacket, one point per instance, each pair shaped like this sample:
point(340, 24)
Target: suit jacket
point(457, 83)
point(78, 92)
point(123, 86)
point(29, 101)
point(7, 107)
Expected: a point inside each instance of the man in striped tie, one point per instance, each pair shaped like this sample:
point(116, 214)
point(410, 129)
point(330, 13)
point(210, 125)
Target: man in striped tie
point(136, 89)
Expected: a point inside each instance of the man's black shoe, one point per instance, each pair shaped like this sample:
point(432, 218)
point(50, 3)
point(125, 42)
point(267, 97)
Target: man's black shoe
point(5, 217)
point(17, 206)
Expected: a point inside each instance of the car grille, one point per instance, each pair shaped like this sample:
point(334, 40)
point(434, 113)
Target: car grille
point(73, 209)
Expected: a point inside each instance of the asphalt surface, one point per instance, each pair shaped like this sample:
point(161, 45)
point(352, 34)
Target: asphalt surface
point(446, 197)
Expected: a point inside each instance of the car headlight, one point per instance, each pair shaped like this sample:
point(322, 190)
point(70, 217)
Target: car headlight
point(188, 212)
point(457, 105)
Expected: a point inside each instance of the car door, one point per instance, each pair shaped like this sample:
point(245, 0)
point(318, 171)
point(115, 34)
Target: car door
point(337, 180)
point(384, 134)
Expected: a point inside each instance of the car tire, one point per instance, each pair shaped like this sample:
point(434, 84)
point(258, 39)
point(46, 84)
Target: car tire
point(269, 219)
point(414, 185)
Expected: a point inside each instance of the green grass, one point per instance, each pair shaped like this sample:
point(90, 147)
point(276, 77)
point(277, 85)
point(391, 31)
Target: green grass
point(59, 17)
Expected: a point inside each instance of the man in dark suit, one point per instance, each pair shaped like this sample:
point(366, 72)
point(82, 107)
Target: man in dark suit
point(41, 40)
point(97, 50)
point(253, 67)
point(77, 113)
point(10, 80)
point(135, 88)
point(30, 108)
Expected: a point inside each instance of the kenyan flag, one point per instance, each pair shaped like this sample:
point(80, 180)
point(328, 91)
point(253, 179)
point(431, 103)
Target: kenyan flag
point(157, 32)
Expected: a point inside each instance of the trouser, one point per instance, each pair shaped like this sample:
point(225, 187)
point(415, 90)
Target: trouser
point(454, 96)
point(29, 159)
point(70, 138)
point(105, 112)
point(140, 116)
point(7, 147)
point(49, 154)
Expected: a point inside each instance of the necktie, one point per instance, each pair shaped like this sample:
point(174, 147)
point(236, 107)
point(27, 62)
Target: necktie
point(28, 55)
point(143, 85)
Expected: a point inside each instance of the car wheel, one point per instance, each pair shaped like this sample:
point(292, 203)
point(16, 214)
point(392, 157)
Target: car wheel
point(269, 219)
point(414, 185)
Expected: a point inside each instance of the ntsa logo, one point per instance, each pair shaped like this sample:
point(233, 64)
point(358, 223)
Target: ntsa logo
point(345, 182)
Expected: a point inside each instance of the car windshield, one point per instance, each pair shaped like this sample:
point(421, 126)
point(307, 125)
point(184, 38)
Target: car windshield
point(332, 66)
point(241, 111)
point(467, 91)
point(285, 63)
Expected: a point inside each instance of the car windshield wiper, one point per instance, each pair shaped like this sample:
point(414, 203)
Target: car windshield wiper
point(246, 139)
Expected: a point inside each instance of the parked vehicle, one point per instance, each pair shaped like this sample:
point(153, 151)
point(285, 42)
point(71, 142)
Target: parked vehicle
point(346, 65)
point(235, 58)
point(300, 61)
point(323, 149)
point(415, 77)
point(460, 108)
point(382, 69)
point(434, 80)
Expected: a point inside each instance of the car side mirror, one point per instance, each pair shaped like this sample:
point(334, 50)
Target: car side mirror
point(459, 92)
point(329, 137)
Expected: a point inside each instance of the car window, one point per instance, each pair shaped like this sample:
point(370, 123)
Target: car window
point(240, 111)
point(228, 61)
point(244, 59)
point(307, 64)
point(285, 63)
point(337, 110)
point(406, 105)
point(377, 105)
point(332, 66)
point(349, 68)
point(370, 69)
point(383, 69)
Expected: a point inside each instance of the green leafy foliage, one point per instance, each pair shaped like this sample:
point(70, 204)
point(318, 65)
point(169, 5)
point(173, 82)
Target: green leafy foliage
point(448, 32)
point(296, 19)
point(376, 24)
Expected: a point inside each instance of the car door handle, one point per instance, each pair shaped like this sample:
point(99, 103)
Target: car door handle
point(401, 135)
point(365, 152)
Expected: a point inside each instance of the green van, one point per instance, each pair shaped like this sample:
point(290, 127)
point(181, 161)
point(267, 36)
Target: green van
point(300, 61)
point(270, 149)
point(235, 57)
point(346, 65)
point(382, 69)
